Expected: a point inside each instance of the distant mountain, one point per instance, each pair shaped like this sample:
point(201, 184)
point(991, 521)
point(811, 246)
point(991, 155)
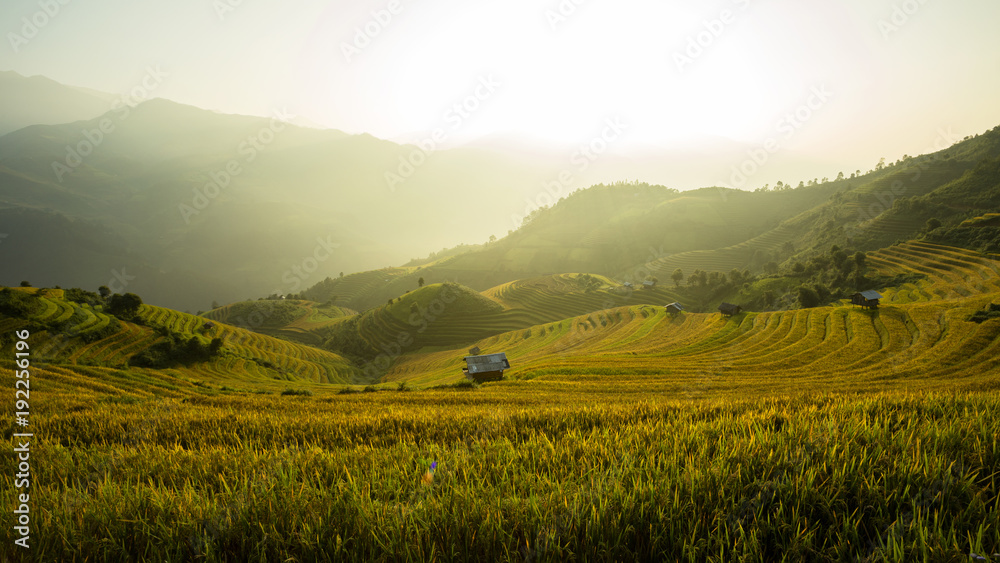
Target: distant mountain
point(631, 231)
point(38, 100)
point(244, 205)
point(213, 207)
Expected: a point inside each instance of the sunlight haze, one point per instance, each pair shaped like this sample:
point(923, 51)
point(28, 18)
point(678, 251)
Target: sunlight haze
point(563, 67)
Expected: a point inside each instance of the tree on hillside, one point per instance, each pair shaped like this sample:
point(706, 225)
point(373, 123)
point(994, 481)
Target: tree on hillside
point(420, 282)
point(840, 259)
point(124, 306)
point(678, 277)
point(860, 258)
point(702, 278)
point(808, 297)
point(215, 305)
point(736, 276)
point(105, 291)
point(25, 283)
point(932, 223)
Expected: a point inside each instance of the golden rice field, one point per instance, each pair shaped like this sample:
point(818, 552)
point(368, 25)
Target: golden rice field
point(625, 434)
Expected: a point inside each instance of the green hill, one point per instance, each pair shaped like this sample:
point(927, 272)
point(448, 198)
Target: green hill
point(627, 231)
point(922, 330)
point(296, 320)
point(158, 347)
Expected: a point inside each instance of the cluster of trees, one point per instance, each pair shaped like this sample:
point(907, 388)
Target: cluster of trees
point(980, 238)
point(714, 280)
point(124, 306)
point(177, 350)
point(834, 275)
point(588, 283)
point(18, 303)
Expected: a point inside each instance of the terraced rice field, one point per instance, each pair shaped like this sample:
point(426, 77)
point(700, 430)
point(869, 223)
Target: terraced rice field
point(722, 259)
point(951, 273)
point(921, 331)
point(248, 356)
point(622, 433)
point(513, 306)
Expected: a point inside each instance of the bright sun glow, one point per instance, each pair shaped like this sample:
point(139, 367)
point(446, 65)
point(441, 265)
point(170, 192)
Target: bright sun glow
point(670, 73)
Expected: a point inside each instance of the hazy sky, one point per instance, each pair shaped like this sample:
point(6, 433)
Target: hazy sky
point(892, 74)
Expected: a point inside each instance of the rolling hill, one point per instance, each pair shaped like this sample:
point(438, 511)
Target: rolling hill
point(242, 206)
point(921, 331)
point(80, 344)
point(628, 231)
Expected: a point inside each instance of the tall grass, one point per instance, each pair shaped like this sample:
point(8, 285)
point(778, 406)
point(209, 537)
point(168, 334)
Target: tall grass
point(547, 476)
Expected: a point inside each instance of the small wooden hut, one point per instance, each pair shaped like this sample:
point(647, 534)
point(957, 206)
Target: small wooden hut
point(728, 309)
point(489, 367)
point(675, 308)
point(867, 299)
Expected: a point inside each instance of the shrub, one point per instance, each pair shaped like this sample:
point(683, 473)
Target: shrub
point(18, 303)
point(302, 392)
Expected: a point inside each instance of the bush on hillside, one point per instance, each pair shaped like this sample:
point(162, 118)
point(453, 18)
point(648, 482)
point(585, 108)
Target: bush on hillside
point(18, 304)
point(990, 312)
point(177, 350)
point(77, 295)
point(124, 306)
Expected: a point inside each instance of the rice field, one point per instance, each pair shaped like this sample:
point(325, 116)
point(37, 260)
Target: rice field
point(620, 434)
point(514, 472)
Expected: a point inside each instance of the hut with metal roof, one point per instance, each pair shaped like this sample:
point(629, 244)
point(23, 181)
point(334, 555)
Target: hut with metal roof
point(675, 308)
point(867, 299)
point(728, 309)
point(489, 367)
point(648, 284)
point(474, 351)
